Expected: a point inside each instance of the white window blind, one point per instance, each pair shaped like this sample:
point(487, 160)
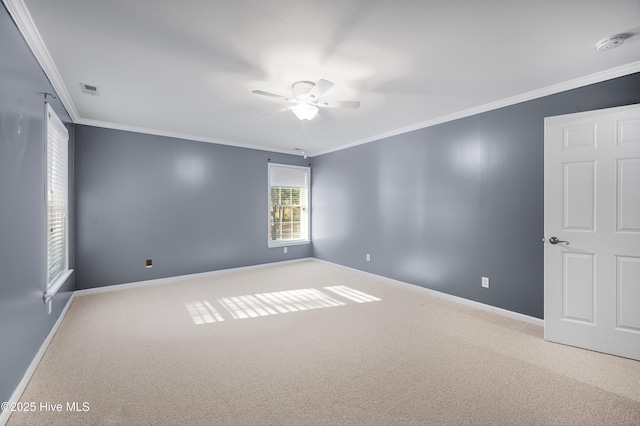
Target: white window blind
point(57, 141)
point(288, 204)
point(291, 176)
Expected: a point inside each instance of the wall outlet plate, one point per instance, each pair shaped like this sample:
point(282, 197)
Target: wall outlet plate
point(485, 282)
point(368, 257)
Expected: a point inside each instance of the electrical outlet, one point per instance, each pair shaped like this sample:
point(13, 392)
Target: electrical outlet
point(485, 282)
point(368, 257)
point(285, 249)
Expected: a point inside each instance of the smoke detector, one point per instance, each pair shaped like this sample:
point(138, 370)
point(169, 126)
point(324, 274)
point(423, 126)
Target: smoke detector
point(611, 42)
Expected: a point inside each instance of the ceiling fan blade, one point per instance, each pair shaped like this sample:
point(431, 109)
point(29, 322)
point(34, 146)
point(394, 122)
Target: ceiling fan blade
point(285, 109)
point(271, 95)
point(338, 104)
point(320, 87)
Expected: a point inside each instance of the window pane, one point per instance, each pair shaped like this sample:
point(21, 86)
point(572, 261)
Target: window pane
point(286, 196)
point(295, 196)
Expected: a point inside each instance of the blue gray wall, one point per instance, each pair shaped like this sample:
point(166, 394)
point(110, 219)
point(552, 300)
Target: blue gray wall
point(189, 206)
point(443, 206)
point(24, 321)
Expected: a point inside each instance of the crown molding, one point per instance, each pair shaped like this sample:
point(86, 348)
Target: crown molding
point(528, 96)
point(179, 135)
point(21, 16)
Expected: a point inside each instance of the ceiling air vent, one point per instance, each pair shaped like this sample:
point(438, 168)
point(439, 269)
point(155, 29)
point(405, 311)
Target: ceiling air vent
point(90, 90)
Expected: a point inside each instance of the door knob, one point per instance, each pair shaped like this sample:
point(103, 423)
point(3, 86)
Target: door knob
point(555, 240)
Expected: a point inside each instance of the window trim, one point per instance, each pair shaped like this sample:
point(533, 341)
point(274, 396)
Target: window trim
point(286, 243)
point(51, 286)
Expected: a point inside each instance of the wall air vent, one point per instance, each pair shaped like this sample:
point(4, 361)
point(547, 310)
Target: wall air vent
point(90, 90)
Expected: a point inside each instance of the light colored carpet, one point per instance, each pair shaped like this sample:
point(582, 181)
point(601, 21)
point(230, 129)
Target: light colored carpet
point(386, 354)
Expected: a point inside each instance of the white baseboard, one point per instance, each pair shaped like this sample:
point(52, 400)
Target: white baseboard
point(504, 312)
point(198, 275)
point(17, 393)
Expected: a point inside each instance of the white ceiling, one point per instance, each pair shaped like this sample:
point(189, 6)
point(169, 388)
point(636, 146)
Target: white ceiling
point(187, 68)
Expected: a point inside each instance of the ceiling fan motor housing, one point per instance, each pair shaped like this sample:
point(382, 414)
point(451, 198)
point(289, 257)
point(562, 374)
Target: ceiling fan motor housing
point(301, 89)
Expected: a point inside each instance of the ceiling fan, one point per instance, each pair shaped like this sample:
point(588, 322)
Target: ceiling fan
point(306, 99)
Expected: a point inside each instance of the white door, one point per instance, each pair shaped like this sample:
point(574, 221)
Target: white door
point(592, 206)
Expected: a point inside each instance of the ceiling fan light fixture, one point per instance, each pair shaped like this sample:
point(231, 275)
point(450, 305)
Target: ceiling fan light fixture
point(305, 111)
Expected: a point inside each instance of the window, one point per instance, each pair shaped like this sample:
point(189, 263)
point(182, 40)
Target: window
point(57, 141)
point(288, 204)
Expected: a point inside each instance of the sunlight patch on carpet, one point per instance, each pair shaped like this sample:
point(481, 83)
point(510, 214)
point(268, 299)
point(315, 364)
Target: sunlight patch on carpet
point(202, 312)
point(262, 304)
point(351, 294)
point(278, 302)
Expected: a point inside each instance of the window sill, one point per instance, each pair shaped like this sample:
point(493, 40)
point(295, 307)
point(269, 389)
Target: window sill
point(274, 244)
point(59, 282)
